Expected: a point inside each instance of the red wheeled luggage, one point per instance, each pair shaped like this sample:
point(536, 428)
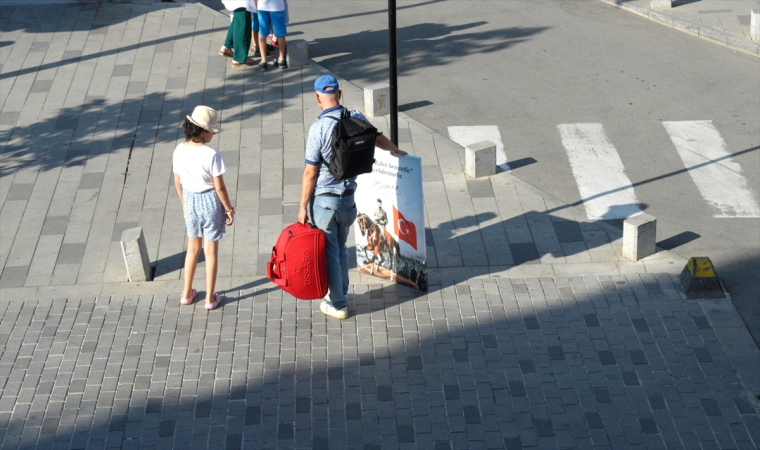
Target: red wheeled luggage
point(299, 263)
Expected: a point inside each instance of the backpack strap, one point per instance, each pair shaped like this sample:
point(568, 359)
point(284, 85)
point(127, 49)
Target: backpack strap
point(343, 115)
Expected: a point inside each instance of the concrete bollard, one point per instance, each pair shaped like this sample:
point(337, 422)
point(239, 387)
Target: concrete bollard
point(754, 25)
point(639, 236)
point(297, 53)
point(661, 4)
point(377, 100)
point(480, 159)
point(136, 255)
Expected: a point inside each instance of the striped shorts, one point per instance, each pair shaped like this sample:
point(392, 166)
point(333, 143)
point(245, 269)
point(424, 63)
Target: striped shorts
point(204, 215)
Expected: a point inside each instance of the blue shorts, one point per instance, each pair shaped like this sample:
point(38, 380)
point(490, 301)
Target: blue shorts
point(255, 24)
point(204, 215)
point(276, 20)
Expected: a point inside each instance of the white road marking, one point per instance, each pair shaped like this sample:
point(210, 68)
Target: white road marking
point(606, 191)
point(717, 176)
point(465, 136)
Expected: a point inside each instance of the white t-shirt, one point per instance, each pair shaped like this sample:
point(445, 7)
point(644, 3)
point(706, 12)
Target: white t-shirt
point(271, 5)
point(231, 5)
point(197, 166)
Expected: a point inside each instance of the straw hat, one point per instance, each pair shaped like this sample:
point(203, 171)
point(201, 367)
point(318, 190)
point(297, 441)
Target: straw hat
point(204, 117)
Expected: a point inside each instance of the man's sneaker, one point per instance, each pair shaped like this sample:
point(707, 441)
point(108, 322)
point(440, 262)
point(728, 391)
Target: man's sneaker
point(254, 53)
point(329, 310)
point(263, 65)
point(281, 63)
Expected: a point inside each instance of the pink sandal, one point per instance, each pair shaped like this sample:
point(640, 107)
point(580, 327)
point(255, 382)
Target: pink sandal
point(190, 300)
point(217, 301)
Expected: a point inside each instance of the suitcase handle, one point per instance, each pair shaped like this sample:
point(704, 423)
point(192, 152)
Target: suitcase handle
point(271, 265)
point(299, 224)
point(270, 274)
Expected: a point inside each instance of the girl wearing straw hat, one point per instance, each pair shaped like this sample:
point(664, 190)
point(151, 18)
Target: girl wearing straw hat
point(198, 178)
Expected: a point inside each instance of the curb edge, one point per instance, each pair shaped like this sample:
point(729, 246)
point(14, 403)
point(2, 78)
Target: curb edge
point(710, 34)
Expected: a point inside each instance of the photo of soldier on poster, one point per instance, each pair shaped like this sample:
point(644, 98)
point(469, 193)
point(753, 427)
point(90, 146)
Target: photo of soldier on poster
point(390, 224)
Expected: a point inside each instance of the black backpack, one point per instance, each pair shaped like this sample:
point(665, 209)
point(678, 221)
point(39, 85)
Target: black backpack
point(353, 147)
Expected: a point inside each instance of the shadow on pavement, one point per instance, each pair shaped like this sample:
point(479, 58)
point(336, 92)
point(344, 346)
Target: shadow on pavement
point(660, 177)
point(75, 57)
point(77, 18)
point(745, 295)
point(420, 45)
point(71, 17)
point(98, 127)
point(678, 240)
point(518, 163)
point(414, 105)
point(363, 14)
point(508, 364)
point(489, 245)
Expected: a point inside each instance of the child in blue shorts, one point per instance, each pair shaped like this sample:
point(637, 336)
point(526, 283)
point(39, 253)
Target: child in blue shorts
point(274, 15)
point(198, 178)
point(255, 34)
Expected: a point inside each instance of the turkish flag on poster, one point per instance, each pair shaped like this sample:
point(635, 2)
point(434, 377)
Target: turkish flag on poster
point(404, 229)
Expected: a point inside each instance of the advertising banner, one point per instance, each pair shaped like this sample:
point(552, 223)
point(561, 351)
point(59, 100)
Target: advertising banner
point(390, 225)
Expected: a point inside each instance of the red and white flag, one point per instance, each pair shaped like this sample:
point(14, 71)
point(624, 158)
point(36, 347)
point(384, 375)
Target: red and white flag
point(404, 229)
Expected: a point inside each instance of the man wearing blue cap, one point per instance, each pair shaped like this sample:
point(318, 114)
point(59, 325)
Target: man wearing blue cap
point(332, 209)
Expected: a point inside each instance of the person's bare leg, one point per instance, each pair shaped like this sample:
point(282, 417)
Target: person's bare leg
point(255, 38)
point(211, 251)
point(281, 46)
point(191, 262)
point(263, 46)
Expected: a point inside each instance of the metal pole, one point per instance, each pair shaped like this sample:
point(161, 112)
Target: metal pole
point(393, 70)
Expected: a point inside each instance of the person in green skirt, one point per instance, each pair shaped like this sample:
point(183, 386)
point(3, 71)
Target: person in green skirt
point(238, 39)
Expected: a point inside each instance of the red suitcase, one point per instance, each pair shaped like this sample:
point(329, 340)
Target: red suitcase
point(298, 264)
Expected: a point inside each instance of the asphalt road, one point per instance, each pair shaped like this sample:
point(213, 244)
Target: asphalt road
point(529, 66)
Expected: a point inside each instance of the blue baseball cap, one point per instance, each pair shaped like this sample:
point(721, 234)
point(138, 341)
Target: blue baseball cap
point(326, 84)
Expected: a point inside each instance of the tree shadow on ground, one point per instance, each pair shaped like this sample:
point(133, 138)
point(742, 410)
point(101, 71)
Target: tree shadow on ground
point(419, 45)
point(38, 19)
point(99, 126)
point(381, 12)
point(524, 363)
point(522, 239)
point(476, 245)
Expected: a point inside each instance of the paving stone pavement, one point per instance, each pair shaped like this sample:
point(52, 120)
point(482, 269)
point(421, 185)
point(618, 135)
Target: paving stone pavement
point(535, 333)
point(92, 118)
point(725, 22)
point(731, 16)
point(580, 362)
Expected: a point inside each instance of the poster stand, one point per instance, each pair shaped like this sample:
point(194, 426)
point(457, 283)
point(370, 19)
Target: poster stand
point(390, 223)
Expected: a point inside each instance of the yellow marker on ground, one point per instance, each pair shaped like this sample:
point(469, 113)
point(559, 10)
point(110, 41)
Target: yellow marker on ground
point(699, 280)
point(701, 267)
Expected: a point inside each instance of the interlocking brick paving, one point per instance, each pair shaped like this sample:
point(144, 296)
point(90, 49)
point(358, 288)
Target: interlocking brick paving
point(586, 362)
point(500, 358)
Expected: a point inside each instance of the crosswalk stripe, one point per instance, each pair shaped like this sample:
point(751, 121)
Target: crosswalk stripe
point(469, 135)
point(606, 191)
point(717, 176)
